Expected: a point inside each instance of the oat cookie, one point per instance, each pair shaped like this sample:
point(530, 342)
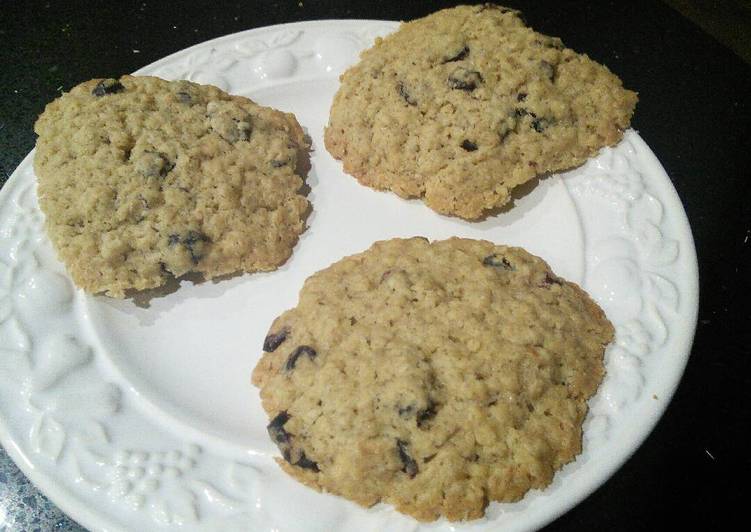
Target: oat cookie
point(143, 179)
point(432, 376)
point(462, 106)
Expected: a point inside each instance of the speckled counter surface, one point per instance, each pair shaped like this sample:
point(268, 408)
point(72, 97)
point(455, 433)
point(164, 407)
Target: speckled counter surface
point(693, 112)
point(22, 507)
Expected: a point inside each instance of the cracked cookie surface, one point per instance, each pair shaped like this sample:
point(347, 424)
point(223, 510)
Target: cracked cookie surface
point(142, 179)
point(464, 105)
point(432, 376)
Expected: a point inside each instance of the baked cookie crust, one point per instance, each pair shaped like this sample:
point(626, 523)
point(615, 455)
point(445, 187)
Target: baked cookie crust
point(461, 106)
point(432, 376)
point(142, 180)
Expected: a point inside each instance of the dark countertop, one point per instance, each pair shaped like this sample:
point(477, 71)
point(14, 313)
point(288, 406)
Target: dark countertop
point(693, 112)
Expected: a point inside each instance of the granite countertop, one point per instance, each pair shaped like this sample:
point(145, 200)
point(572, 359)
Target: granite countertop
point(693, 113)
point(23, 507)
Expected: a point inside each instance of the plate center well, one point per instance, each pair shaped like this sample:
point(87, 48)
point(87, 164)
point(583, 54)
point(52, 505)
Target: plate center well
point(190, 354)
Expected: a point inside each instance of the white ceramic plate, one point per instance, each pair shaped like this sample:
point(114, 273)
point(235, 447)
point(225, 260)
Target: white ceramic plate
point(145, 419)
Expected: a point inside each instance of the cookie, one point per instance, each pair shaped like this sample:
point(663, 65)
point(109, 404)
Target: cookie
point(460, 107)
point(432, 376)
point(142, 179)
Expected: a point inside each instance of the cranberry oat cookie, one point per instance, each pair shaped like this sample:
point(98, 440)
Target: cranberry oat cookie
point(432, 376)
point(142, 179)
point(462, 106)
